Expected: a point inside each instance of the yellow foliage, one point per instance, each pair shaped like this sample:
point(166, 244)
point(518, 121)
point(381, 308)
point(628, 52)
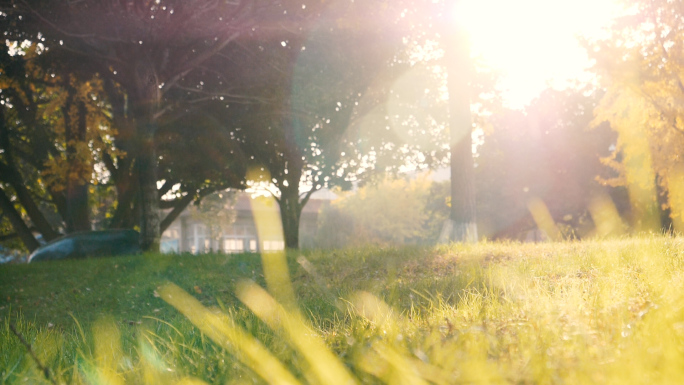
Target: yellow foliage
point(641, 70)
point(55, 97)
point(634, 119)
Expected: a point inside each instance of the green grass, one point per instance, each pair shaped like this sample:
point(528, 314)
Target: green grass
point(589, 312)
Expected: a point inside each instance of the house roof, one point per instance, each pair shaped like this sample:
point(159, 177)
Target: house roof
point(313, 205)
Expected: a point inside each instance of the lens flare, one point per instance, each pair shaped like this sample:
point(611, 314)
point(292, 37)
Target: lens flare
point(543, 219)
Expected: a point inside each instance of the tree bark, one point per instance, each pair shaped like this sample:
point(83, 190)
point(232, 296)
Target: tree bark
point(18, 224)
point(290, 212)
point(77, 210)
point(150, 224)
point(463, 214)
point(145, 104)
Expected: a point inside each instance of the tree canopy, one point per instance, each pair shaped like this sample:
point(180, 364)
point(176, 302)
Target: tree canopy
point(640, 65)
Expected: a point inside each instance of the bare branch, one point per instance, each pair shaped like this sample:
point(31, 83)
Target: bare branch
point(222, 94)
point(177, 208)
point(308, 194)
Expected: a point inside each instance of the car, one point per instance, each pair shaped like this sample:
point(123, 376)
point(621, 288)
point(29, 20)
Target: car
point(89, 244)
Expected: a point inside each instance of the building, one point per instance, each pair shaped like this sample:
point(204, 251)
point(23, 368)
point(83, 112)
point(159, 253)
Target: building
point(189, 235)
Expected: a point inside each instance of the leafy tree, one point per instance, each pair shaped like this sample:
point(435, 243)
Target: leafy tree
point(304, 95)
point(141, 50)
point(47, 151)
point(640, 65)
point(341, 104)
point(63, 161)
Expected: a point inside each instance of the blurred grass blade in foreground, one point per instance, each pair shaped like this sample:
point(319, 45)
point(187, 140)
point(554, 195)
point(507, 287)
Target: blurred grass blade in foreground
point(542, 217)
point(222, 330)
point(269, 229)
point(605, 216)
point(323, 364)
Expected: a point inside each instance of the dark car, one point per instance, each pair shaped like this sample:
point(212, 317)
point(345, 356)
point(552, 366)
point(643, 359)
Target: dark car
point(89, 244)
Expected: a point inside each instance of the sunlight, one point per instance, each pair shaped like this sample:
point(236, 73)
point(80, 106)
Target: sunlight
point(534, 42)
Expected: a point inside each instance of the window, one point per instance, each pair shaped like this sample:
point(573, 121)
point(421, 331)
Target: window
point(233, 245)
point(274, 245)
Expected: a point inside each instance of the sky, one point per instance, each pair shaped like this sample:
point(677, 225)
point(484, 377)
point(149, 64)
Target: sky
point(533, 43)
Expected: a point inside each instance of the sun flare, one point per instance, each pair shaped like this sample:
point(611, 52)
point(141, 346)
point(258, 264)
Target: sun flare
point(533, 43)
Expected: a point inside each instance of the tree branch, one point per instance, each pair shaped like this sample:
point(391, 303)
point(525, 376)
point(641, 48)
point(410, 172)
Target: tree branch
point(178, 207)
point(222, 94)
point(308, 194)
point(190, 65)
point(166, 187)
point(21, 229)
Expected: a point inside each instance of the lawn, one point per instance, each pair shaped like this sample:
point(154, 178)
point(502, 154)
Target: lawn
point(584, 312)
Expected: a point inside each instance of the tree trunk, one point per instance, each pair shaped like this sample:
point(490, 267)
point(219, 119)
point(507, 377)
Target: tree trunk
point(150, 224)
point(290, 212)
point(18, 224)
point(462, 215)
point(145, 104)
point(77, 210)
point(122, 171)
point(126, 188)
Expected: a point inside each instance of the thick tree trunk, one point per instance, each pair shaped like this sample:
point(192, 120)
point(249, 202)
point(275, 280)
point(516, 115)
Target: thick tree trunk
point(126, 188)
point(18, 224)
point(77, 210)
point(290, 212)
point(145, 104)
point(463, 217)
point(463, 214)
point(150, 224)
point(122, 171)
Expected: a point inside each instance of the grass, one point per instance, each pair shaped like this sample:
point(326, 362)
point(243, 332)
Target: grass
point(590, 312)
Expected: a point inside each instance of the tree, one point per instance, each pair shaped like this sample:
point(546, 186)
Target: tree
point(145, 49)
point(63, 160)
point(41, 115)
point(303, 93)
point(463, 219)
point(438, 40)
point(640, 65)
point(346, 101)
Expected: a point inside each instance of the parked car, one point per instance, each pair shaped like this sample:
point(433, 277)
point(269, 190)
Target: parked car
point(89, 244)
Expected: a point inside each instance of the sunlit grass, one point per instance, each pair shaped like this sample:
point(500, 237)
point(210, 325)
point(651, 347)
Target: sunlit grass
point(591, 312)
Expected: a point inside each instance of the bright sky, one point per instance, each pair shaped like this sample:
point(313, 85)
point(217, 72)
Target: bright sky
point(533, 42)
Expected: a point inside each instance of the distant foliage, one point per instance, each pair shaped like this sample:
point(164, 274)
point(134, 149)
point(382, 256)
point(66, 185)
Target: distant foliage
point(216, 212)
point(391, 212)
